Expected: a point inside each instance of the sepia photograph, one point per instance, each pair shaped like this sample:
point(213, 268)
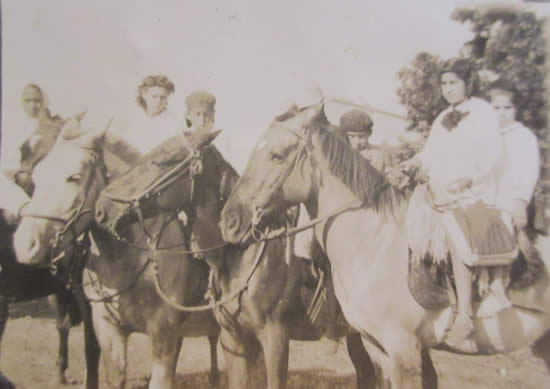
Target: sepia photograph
point(293, 194)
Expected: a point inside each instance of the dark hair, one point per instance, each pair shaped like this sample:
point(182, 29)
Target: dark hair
point(465, 69)
point(152, 81)
point(504, 85)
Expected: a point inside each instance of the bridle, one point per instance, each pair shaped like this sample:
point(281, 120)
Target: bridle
point(303, 150)
point(73, 217)
point(258, 209)
point(192, 164)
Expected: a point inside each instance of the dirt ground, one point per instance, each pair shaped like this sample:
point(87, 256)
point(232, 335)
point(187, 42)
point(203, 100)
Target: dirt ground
point(30, 342)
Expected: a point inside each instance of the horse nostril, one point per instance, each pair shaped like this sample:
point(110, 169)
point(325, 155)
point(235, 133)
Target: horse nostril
point(232, 223)
point(99, 215)
point(33, 247)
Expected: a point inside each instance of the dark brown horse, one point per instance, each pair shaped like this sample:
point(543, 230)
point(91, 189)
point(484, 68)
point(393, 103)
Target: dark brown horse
point(119, 276)
point(259, 294)
point(23, 283)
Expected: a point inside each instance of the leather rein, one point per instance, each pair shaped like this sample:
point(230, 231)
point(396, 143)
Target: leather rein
point(74, 216)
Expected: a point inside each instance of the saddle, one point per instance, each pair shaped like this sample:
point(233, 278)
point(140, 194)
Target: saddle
point(489, 240)
point(481, 238)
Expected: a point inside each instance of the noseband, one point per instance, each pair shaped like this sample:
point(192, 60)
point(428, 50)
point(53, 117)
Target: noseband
point(69, 222)
point(304, 148)
point(258, 209)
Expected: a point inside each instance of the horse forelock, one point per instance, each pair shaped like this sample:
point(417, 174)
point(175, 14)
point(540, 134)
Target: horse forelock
point(367, 183)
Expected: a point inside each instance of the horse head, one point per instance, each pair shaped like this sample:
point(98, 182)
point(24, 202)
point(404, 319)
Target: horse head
point(67, 183)
point(34, 149)
point(167, 179)
point(279, 173)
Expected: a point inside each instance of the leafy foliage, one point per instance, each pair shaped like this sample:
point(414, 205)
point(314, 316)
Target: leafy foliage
point(509, 44)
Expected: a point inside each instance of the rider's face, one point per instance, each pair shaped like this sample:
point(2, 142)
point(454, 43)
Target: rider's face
point(453, 88)
point(156, 100)
point(506, 111)
point(358, 140)
point(201, 118)
point(32, 102)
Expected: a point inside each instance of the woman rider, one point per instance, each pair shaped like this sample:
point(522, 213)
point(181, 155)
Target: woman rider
point(460, 163)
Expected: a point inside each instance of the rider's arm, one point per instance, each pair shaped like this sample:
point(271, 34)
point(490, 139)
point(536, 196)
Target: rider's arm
point(527, 169)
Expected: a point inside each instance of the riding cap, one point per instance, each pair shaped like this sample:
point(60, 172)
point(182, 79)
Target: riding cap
point(201, 99)
point(356, 121)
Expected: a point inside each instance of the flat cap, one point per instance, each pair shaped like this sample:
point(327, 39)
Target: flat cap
point(201, 99)
point(356, 121)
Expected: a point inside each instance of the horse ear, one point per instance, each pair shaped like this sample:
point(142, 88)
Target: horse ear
point(71, 129)
point(95, 137)
point(201, 139)
point(313, 114)
point(80, 116)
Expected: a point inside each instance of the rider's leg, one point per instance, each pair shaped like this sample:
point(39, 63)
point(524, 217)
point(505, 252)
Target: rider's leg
point(463, 324)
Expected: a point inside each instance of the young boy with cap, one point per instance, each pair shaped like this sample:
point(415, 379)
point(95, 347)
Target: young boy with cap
point(201, 111)
point(357, 126)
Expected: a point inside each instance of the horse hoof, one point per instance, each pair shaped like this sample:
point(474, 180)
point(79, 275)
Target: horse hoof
point(68, 380)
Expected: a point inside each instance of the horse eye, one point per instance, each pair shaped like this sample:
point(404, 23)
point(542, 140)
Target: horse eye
point(74, 178)
point(277, 157)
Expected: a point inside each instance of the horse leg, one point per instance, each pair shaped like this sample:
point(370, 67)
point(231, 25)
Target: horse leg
point(113, 343)
point(364, 368)
point(239, 354)
point(214, 376)
point(275, 343)
point(63, 323)
point(4, 314)
point(91, 344)
point(429, 374)
point(541, 349)
point(398, 362)
point(166, 351)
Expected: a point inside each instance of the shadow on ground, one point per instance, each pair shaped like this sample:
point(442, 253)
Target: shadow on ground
point(304, 379)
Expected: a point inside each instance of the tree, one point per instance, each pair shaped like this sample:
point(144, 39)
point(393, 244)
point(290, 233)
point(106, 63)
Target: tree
point(508, 44)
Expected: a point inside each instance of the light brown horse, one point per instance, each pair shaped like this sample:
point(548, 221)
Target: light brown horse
point(361, 228)
point(118, 276)
point(259, 302)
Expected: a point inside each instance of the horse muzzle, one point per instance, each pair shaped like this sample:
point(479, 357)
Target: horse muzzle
point(30, 245)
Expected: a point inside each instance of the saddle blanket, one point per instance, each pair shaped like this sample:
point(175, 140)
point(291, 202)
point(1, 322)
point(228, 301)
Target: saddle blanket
point(477, 233)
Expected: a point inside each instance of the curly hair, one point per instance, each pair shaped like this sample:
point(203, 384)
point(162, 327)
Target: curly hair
point(152, 81)
point(465, 69)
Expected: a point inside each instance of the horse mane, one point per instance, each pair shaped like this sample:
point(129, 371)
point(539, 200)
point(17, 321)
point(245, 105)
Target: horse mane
point(229, 175)
point(356, 172)
point(119, 147)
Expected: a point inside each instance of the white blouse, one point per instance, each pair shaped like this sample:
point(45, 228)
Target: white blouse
point(471, 150)
point(519, 167)
point(145, 133)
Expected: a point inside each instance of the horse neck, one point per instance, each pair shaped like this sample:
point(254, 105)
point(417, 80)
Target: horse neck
point(327, 194)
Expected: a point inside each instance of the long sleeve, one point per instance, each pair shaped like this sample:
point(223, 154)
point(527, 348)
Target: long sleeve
point(530, 166)
point(485, 144)
point(520, 169)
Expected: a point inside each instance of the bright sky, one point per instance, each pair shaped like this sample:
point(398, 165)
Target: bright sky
point(256, 56)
